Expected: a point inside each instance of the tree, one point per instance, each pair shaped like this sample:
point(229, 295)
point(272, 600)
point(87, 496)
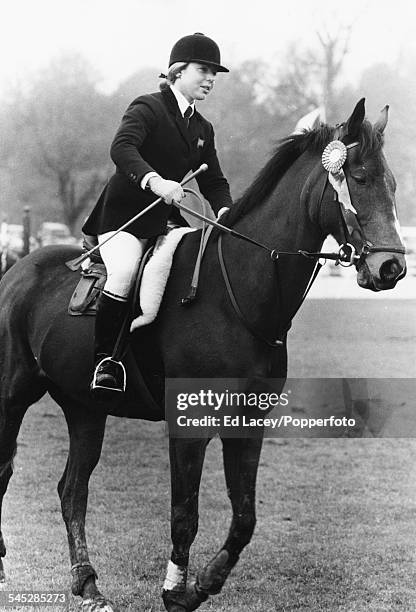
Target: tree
point(334, 48)
point(141, 82)
point(245, 126)
point(308, 77)
point(64, 128)
point(396, 85)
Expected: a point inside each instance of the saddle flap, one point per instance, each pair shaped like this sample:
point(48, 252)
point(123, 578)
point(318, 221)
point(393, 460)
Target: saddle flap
point(91, 283)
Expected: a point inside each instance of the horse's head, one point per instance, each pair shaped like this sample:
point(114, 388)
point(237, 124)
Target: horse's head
point(366, 190)
point(353, 200)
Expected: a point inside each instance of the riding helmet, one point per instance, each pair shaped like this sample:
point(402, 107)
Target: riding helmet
point(197, 48)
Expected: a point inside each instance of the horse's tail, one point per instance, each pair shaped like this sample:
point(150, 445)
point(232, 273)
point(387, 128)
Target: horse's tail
point(21, 381)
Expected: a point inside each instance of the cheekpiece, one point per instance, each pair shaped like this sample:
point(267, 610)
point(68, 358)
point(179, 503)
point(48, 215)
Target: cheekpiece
point(334, 156)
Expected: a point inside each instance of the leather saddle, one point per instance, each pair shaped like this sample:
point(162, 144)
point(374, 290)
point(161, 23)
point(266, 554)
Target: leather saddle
point(84, 298)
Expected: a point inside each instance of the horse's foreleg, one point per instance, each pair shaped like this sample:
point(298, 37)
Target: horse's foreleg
point(186, 461)
point(86, 431)
point(241, 459)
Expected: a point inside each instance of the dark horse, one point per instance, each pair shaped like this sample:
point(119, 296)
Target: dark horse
point(290, 206)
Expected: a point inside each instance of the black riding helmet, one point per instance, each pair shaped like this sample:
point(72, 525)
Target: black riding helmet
point(197, 48)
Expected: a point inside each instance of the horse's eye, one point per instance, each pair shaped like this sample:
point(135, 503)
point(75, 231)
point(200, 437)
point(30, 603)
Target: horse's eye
point(359, 175)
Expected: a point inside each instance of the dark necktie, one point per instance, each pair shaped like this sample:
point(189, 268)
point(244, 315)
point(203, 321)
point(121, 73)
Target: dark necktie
point(187, 115)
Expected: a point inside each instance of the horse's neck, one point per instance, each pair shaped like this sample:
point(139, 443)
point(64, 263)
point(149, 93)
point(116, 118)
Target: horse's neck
point(282, 222)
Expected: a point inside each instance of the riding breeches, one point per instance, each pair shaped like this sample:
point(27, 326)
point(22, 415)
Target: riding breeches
point(121, 256)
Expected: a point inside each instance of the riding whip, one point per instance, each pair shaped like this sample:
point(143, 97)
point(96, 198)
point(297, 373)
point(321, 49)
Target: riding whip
point(74, 264)
point(223, 228)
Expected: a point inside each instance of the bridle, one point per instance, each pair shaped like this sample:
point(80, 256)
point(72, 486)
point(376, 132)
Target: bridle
point(333, 159)
point(347, 255)
point(351, 228)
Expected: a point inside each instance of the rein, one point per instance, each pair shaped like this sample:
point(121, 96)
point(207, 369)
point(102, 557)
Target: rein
point(275, 343)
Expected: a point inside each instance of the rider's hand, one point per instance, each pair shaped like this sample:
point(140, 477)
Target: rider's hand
point(170, 191)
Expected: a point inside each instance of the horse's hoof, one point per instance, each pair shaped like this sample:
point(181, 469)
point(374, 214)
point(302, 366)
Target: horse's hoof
point(173, 601)
point(97, 604)
point(211, 579)
point(186, 601)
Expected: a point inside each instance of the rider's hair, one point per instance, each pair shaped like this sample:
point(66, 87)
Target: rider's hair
point(172, 75)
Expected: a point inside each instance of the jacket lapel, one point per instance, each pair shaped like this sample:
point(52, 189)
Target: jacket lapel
point(172, 105)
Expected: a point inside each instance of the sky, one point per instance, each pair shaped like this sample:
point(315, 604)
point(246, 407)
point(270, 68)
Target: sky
point(119, 37)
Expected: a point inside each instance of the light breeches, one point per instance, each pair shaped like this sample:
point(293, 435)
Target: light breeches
point(121, 256)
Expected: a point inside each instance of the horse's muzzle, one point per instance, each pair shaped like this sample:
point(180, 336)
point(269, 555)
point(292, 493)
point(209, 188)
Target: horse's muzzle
point(389, 273)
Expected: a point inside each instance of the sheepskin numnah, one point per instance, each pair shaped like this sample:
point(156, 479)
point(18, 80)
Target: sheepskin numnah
point(156, 274)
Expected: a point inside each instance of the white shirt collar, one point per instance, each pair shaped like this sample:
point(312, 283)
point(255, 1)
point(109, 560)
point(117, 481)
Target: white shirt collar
point(182, 101)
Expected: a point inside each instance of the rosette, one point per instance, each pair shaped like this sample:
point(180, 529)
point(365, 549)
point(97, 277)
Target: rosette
point(334, 156)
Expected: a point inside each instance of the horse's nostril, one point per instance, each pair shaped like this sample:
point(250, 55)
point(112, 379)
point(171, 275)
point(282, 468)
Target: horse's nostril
point(390, 270)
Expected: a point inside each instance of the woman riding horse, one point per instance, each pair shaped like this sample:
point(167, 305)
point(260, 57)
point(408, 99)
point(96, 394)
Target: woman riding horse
point(161, 135)
point(294, 203)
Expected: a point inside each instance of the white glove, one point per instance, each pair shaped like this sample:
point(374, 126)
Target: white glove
point(170, 191)
point(221, 211)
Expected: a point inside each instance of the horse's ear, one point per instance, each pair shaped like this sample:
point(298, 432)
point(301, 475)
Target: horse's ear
point(353, 125)
point(381, 122)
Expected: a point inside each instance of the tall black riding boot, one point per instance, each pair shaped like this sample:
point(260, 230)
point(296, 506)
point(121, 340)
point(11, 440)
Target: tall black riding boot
point(109, 374)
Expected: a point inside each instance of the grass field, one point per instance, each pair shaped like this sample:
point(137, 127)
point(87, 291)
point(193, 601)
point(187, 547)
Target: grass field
point(336, 517)
point(354, 338)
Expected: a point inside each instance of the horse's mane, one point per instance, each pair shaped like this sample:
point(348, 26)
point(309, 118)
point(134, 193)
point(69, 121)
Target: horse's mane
point(286, 153)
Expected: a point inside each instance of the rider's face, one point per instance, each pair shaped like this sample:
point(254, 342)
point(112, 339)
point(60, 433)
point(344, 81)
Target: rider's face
point(195, 81)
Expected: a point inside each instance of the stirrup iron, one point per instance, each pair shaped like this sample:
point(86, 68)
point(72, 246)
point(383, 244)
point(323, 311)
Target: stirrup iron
point(94, 384)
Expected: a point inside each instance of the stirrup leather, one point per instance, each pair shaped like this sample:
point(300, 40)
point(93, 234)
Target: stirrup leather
point(94, 384)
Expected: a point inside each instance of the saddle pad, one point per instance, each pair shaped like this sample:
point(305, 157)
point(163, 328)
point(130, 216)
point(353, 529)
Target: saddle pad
point(156, 274)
